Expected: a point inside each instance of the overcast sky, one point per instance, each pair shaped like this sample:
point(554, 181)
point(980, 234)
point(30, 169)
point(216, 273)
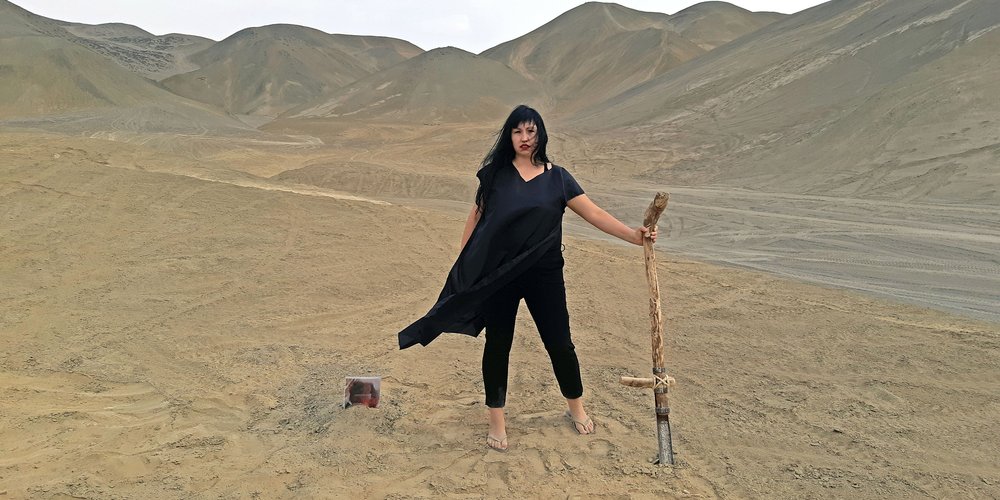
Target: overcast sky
point(473, 25)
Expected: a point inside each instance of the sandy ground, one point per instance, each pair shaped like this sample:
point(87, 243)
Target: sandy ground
point(174, 329)
point(931, 255)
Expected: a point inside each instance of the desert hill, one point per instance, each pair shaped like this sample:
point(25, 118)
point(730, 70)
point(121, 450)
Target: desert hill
point(51, 78)
point(445, 84)
point(597, 50)
point(152, 56)
point(711, 24)
point(887, 99)
point(55, 79)
point(50, 82)
point(267, 70)
point(131, 47)
point(15, 21)
point(48, 75)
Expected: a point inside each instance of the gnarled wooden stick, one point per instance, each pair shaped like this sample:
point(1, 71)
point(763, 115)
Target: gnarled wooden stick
point(645, 383)
point(660, 381)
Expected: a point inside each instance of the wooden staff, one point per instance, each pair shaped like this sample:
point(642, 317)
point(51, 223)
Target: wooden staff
point(660, 381)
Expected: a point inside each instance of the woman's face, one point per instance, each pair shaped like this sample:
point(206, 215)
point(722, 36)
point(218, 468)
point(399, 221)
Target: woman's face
point(525, 139)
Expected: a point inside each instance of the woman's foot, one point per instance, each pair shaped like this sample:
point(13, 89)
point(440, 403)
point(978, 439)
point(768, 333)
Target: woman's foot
point(581, 422)
point(499, 444)
point(497, 437)
point(585, 426)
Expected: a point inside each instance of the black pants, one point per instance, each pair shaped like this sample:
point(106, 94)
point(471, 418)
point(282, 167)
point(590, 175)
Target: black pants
point(544, 291)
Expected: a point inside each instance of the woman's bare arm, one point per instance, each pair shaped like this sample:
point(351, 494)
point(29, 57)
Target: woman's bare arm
point(606, 222)
point(470, 224)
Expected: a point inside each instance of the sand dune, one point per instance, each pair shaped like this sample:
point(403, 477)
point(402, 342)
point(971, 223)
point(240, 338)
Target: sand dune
point(711, 24)
point(267, 70)
point(597, 50)
point(53, 84)
point(55, 80)
point(16, 21)
point(441, 85)
point(873, 99)
point(135, 49)
point(152, 56)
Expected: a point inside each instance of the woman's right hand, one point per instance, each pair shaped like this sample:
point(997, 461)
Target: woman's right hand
point(643, 232)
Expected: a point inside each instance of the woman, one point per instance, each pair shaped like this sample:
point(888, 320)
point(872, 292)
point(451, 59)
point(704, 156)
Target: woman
point(511, 249)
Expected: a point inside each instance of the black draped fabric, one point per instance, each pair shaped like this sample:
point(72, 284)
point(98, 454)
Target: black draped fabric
point(522, 225)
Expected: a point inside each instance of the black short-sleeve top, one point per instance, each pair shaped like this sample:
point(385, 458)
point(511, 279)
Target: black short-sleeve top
point(521, 225)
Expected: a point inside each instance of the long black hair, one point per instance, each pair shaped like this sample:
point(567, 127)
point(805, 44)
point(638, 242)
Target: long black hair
point(502, 153)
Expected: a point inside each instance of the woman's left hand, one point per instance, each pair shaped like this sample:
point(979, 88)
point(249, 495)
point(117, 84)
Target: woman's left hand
point(643, 232)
